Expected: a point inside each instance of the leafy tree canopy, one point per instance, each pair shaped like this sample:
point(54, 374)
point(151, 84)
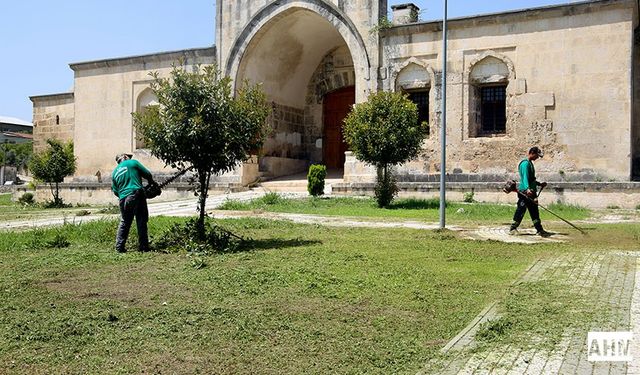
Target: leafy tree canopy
point(200, 124)
point(53, 164)
point(384, 130)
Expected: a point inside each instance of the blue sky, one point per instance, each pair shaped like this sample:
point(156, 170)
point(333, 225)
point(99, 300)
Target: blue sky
point(39, 38)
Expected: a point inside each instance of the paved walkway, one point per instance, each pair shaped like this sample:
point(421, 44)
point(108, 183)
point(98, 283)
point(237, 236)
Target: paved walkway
point(187, 207)
point(609, 279)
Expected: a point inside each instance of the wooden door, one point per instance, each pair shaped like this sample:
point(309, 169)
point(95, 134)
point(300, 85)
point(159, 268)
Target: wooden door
point(337, 105)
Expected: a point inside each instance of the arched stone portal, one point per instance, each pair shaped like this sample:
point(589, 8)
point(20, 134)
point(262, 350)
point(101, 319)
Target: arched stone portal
point(298, 57)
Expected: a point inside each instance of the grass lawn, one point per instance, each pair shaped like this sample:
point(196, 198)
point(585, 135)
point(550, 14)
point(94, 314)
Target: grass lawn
point(422, 209)
point(10, 210)
point(297, 299)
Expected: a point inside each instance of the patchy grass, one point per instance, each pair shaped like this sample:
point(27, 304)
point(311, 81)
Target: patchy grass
point(297, 299)
point(408, 208)
point(10, 210)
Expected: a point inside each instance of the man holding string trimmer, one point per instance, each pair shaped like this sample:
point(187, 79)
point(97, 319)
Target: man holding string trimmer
point(528, 195)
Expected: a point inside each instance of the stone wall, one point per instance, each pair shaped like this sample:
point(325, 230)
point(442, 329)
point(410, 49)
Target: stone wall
point(287, 131)
point(101, 194)
point(562, 94)
point(594, 195)
point(53, 117)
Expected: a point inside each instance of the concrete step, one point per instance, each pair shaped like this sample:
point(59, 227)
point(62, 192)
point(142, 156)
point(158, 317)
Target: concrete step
point(285, 186)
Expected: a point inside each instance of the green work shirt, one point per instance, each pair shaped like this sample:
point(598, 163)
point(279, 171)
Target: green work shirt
point(125, 179)
point(527, 176)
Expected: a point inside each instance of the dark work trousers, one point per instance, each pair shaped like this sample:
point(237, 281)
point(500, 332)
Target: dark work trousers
point(133, 206)
point(524, 204)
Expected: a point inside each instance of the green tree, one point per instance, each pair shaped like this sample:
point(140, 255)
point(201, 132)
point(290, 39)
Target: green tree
point(200, 124)
point(384, 132)
point(52, 165)
point(17, 154)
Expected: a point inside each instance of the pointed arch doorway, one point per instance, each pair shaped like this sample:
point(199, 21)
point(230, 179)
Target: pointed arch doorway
point(336, 106)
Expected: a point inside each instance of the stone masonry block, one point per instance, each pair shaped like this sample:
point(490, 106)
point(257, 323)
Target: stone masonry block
point(517, 87)
point(539, 99)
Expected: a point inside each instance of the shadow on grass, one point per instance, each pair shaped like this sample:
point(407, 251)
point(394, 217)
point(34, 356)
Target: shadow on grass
point(273, 243)
point(415, 204)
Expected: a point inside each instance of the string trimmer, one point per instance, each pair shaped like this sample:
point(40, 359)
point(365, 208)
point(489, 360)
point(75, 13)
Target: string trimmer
point(511, 185)
point(154, 189)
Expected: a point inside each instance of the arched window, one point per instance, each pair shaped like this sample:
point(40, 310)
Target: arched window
point(488, 80)
point(145, 99)
point(415, 80)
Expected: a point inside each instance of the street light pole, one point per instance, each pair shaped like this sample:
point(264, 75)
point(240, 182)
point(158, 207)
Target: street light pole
point(443, 127)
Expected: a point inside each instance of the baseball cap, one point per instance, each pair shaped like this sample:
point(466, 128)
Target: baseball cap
point(536, 150)
point(120, 157)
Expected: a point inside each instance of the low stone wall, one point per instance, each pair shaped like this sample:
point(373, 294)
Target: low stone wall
point(95, 194)
point(587, 194)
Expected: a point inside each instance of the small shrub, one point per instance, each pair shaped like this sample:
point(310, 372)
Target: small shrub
point(469, 197)
point(613, 207)
point(26, 199)
point(315, 179)
point(83, 213)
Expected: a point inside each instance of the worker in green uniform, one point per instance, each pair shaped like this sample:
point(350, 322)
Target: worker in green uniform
point(126, 183)
point(528, 193)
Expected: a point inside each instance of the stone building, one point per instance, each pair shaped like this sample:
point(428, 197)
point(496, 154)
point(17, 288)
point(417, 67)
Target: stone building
point(563, 77)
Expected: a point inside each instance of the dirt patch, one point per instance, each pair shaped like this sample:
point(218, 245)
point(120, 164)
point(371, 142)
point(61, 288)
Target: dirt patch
point(135, 285)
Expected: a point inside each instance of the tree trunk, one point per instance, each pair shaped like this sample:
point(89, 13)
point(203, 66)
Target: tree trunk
point(53, 192)
point(56, 198)
point(386, 173)
point(202, 200)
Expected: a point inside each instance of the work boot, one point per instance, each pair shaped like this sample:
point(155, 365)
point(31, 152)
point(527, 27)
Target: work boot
point(543, 233)
point(514, 232)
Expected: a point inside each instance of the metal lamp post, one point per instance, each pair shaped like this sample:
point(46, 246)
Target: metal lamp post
point(443, 127)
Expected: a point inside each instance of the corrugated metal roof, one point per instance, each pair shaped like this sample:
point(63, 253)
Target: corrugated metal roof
point(18, 135)
point(13, 120)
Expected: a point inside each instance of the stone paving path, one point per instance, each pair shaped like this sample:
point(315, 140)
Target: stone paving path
point(331, 221)
point(175, 208)
point(608, 278)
